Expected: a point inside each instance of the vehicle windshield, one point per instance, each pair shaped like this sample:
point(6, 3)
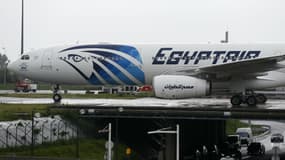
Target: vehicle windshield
point(243, 134)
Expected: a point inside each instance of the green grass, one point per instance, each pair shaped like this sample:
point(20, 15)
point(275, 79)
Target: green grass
point(8, 86)
point(13, 111)
point(88, 149)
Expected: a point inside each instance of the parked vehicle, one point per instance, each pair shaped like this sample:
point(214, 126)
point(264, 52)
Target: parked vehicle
point(277, 138)
point(234, 140)
point(245, 134)
point(229, 151)
point(213, 152)
point(145, 88)
point(25, 86)
point(256, 149)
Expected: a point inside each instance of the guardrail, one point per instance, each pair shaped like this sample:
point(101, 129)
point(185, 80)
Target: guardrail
point(264, 134)
point(155, 112)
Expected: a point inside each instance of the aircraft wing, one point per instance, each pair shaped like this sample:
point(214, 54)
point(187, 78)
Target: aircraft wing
point(246, 67)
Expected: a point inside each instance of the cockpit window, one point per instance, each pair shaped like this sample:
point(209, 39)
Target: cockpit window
point(25, 57)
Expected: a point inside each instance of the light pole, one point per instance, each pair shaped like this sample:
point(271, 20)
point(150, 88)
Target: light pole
point(167, 131)
point(109, 141)
point(22, 29)
point(226, 40)
point(109, 130)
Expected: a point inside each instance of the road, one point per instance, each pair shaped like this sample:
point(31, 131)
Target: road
point(195, 102)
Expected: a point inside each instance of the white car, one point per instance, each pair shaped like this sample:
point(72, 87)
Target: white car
point(246, 136)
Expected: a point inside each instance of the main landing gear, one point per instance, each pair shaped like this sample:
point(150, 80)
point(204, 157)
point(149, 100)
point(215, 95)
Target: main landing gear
point(56, 96)
point(249, 97)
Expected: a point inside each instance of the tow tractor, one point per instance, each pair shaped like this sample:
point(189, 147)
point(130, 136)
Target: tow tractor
point(25, 86)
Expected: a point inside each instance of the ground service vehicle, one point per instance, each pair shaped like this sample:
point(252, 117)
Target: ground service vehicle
point(245, 134)
point(25, 86)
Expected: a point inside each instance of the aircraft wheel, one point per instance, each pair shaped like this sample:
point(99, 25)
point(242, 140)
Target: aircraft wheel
point(251, 101)
point(56, 98)
point(236, 100)
point(261, 98)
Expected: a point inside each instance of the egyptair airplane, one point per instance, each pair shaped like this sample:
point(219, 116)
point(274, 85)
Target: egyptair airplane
point(175, 71)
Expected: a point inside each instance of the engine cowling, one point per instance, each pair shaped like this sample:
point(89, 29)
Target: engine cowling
point(179, 86)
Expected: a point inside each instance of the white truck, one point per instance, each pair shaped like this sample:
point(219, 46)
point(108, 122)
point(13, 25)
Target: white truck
point(25, 86)
point(245, 134)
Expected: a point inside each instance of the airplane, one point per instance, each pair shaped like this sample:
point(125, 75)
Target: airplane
point(175, 71)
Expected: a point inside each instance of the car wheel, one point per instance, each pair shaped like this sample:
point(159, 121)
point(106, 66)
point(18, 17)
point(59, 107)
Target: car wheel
point(261, 99)
point(236, 100)
point(251, 101)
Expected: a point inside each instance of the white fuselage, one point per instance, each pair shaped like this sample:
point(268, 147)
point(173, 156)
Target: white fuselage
point(110, 64)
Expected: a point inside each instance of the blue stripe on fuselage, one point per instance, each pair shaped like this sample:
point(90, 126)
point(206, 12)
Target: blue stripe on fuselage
point(104, 74)
point(123, 62)
point(118, 73)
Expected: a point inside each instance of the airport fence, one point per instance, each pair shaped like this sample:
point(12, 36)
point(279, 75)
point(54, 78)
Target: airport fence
point(65, 137)
point(37, 131)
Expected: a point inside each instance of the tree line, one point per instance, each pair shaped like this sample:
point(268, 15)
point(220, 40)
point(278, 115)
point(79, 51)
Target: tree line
point(6, 75)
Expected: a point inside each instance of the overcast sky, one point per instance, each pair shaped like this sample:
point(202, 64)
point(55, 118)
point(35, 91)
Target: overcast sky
point(58, 22)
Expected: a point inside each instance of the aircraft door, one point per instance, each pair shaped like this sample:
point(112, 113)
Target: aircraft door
point(47, 61)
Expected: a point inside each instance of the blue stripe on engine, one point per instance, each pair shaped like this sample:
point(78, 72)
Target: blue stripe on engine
point(132, 51)
point(123, 62)
point(118, 73)
point(104, 74)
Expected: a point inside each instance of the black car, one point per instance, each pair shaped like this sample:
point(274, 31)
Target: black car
point(230, 150)
point(277, 138)
point(256, 149)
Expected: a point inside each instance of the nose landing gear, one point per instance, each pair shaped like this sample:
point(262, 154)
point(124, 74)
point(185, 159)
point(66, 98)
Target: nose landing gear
point(56, 95)
point(249, 97)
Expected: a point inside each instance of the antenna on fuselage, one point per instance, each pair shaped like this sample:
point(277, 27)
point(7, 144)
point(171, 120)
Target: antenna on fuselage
point(22, 29)
point(226, 40)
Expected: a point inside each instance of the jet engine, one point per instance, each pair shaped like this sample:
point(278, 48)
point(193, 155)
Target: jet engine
point(179, 86)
